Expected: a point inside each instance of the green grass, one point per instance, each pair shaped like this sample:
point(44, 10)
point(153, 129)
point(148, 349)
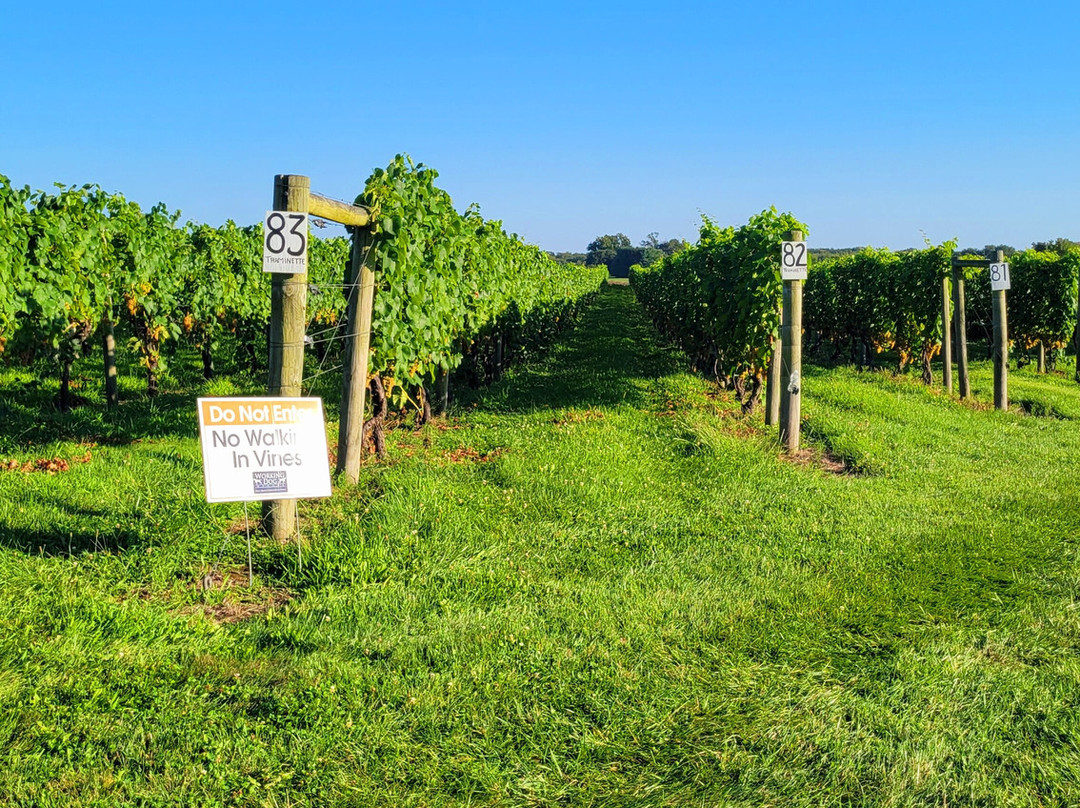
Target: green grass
point(594, 583)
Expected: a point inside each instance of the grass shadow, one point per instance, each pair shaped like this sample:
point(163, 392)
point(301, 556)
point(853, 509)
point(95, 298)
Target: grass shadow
point(1042, 409)
point(52, 542)
point(33, 422)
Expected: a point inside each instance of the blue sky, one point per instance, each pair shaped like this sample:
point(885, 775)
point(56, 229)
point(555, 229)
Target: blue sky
point(874, 124)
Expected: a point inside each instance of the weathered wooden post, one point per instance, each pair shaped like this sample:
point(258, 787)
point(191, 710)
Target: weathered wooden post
point(1076, 339)
point(497, 368)
point(108, 345)
point(960, 332)
point(772, 382)
point(946, 339)
point(288, 322)
point(442, 391)
point(357, 356)
point(999, 283)
point(793, 266)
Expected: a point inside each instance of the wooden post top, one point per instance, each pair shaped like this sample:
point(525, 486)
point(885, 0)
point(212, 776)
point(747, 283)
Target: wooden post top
point(323, 207)
point(340, 212)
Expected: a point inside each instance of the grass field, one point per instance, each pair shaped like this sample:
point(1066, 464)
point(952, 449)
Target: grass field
point(594, 583)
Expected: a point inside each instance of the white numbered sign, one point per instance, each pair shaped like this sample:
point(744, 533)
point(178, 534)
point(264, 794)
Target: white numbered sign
point(793, 260)
point(285, 238)
point(999, 277)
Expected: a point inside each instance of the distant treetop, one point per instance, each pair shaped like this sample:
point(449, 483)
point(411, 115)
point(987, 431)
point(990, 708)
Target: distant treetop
point(618, 255)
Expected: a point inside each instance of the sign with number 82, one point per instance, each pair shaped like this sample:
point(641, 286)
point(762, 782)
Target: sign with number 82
point(793, 264)
point(285, 241)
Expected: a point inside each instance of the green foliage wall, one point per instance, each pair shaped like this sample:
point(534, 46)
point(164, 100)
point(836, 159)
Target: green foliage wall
point(882, 300)
point(445, 278)
point(77, 258)
point(720, 299)
point(1042, 300)
point(890, 300)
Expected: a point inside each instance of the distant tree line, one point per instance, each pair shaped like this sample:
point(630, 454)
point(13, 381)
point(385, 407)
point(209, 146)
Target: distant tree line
point(1058, 245)
point(618, 254)
point(568, 257)
point(822, 253)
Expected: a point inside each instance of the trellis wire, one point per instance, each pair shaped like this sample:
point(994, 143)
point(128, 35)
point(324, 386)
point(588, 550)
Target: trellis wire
point(334, 330)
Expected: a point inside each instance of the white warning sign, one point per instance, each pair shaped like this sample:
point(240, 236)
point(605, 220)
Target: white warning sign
point(263, 449)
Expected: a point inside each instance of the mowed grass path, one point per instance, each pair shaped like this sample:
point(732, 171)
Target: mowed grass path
point(594, 584)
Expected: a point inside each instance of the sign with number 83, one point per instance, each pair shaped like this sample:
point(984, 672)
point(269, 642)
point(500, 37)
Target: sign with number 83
point(285, 241)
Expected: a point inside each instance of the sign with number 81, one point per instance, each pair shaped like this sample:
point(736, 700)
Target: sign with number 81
point(285, 239)
point(999, 277)
point(793, 263)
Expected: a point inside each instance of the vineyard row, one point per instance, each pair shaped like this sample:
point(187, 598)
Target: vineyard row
point(75, 262)
point(720, 301)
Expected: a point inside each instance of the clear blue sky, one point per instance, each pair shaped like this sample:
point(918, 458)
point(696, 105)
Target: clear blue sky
point(873, 123)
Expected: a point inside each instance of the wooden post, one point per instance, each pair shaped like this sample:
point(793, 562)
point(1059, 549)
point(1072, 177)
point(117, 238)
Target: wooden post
point(357, 355)
point(946, 337)
point(1076, 339)
point(288, 321)
point(498, 360)
point(442, 391)
point(791, 369)
point(1001, 347)
point(960, 332)
point(772, 382)
point(108, 339)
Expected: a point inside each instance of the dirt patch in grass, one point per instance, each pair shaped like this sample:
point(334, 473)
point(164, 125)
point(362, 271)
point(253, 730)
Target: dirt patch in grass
point(225, 593)
point(467, 454)
point(976, 404)
point(820, 459)
point(235, 611)
point(738, 427)
point(45, 465)
point(244, 522)
point(443, 426)
point(577, 417)
point(239, 602)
